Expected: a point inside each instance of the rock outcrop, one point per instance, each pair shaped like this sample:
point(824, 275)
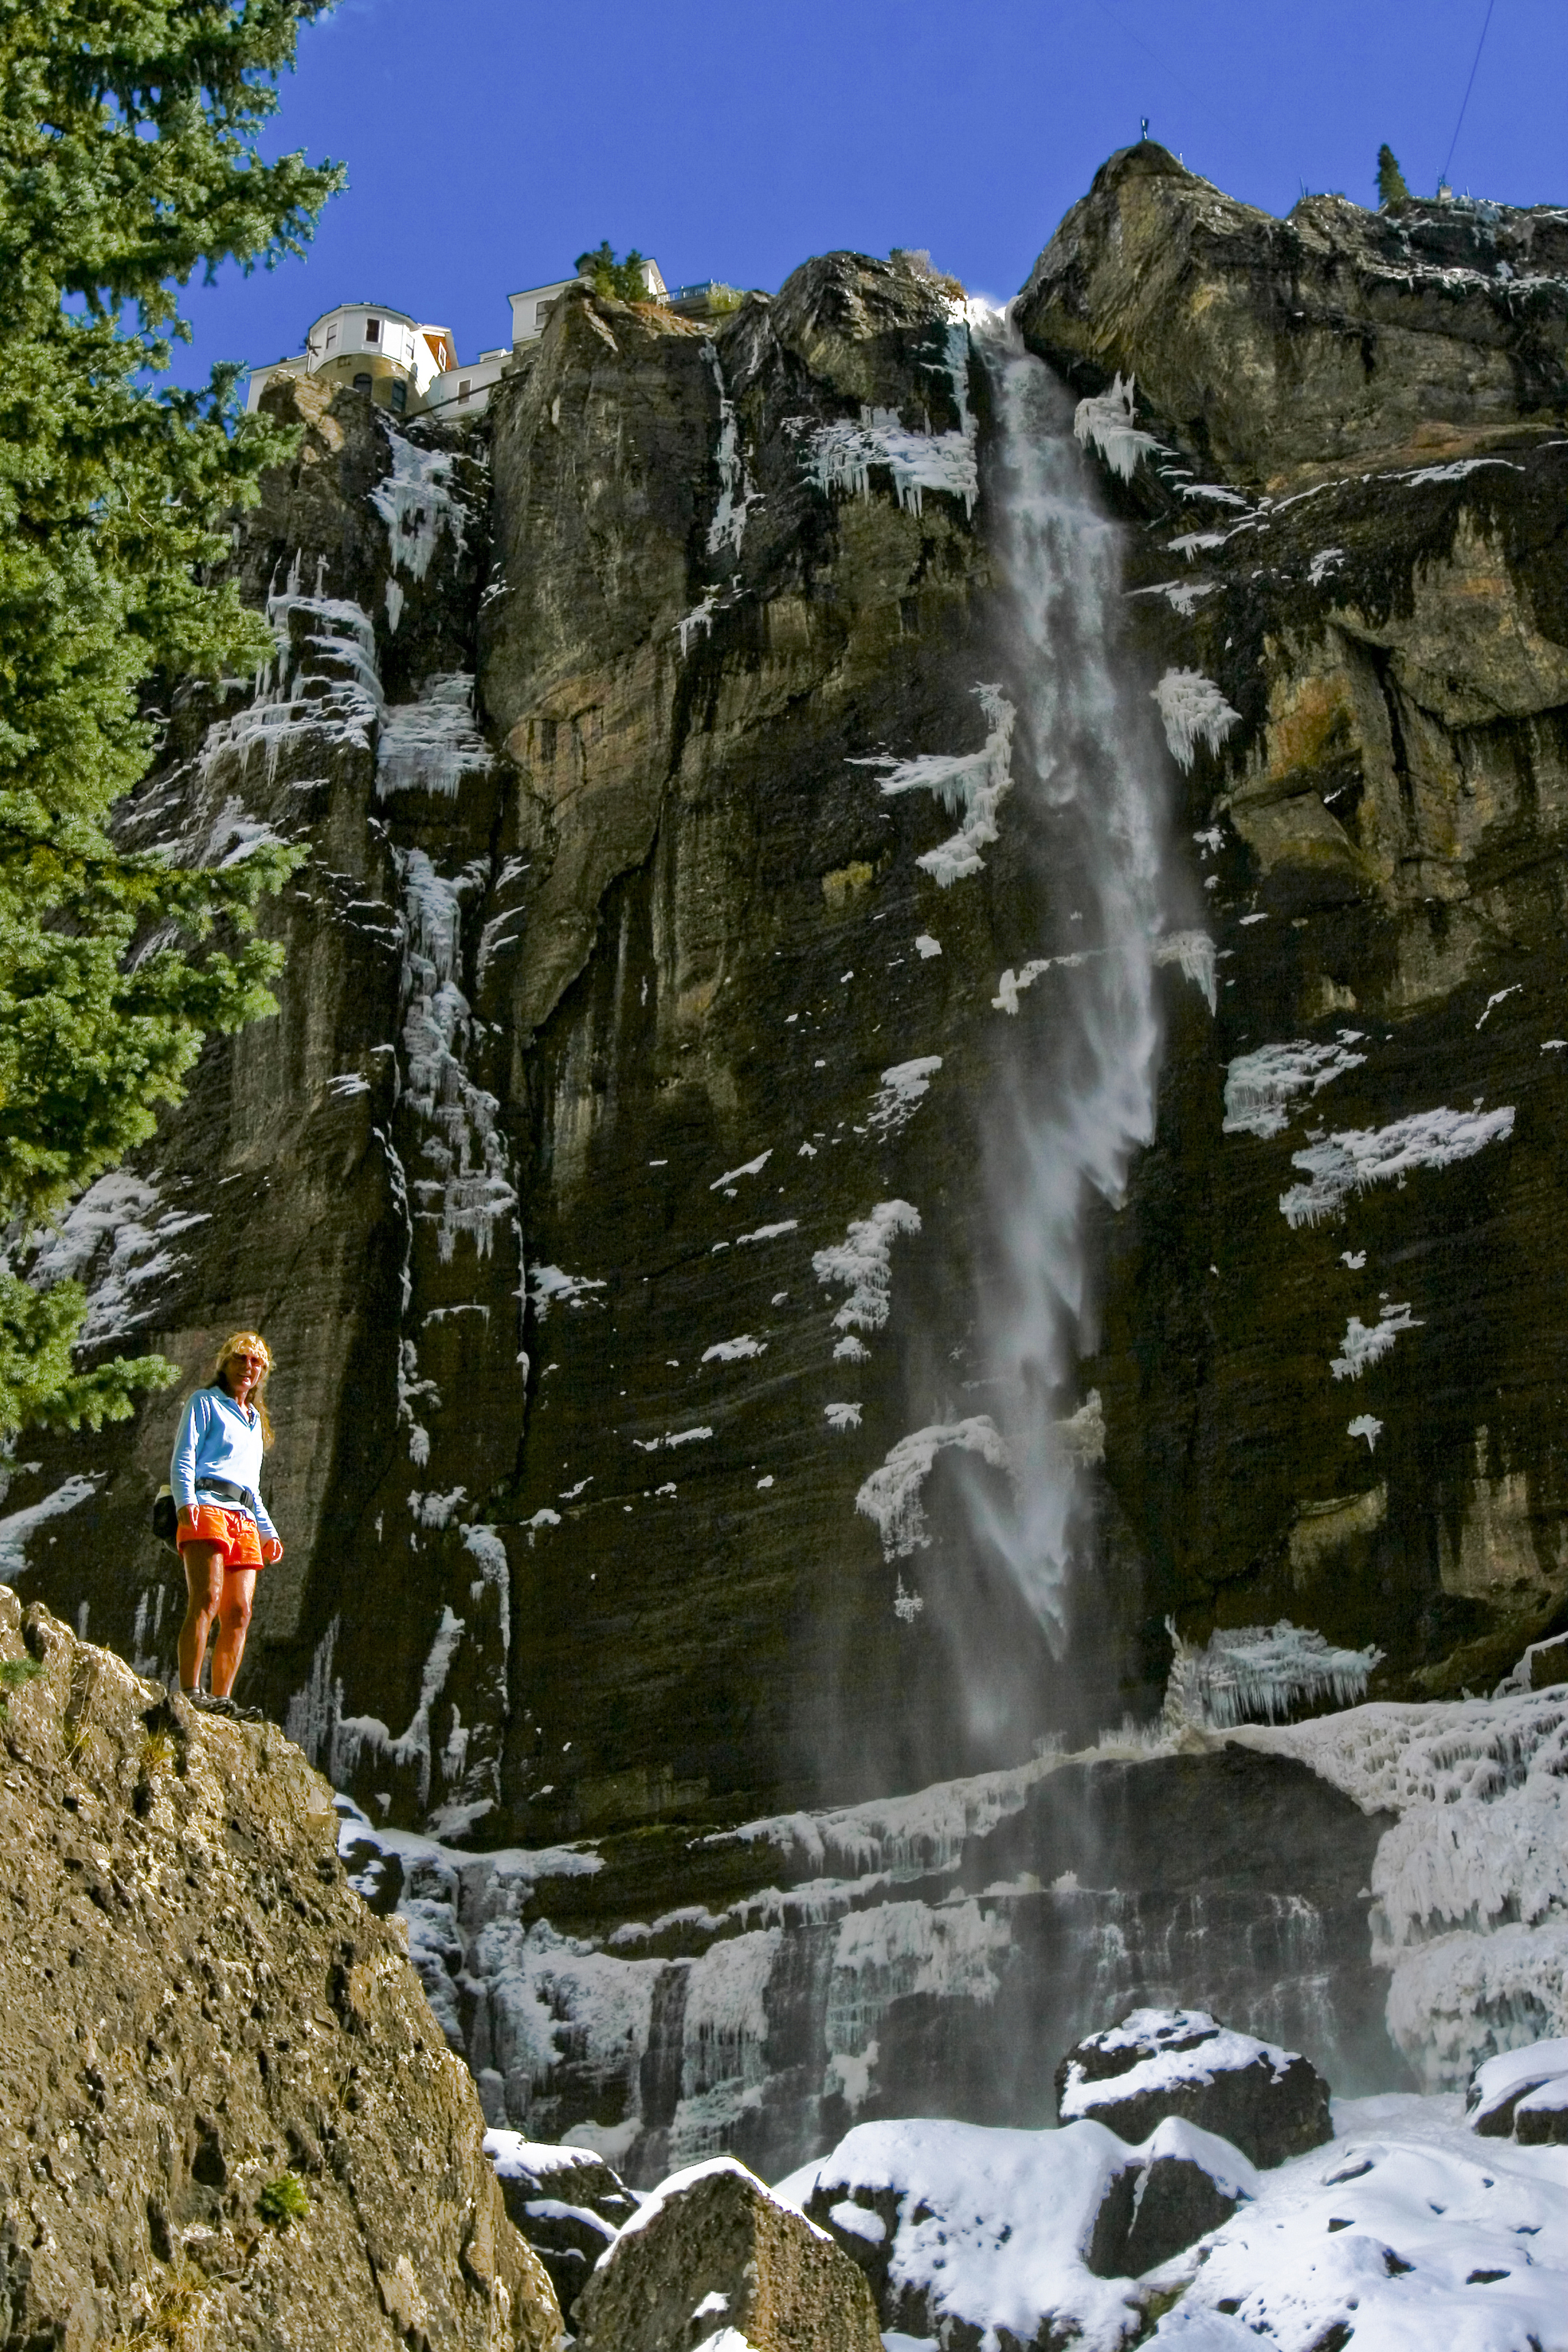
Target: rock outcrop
point(1285, 351)
point(229, 2114)
point(713, 2257)
point(1160, 2065)
point(1522, 2094)
point(566, 2202)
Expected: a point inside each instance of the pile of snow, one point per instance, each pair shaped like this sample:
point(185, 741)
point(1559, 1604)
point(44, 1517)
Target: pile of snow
point(971, 785)
point(1358, 1158)
point(1366, 1344)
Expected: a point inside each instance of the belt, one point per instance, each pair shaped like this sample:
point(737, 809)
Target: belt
point(228, 1492)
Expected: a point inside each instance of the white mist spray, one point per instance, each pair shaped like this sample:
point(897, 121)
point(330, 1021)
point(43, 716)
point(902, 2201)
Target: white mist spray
point(1078, 1097)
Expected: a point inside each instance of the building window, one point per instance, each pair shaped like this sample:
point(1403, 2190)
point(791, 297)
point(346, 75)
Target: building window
point(542, 311)
point(372, 330)
point(399, 395)
point(465, 387)
point(361, 383)
point(331, 337)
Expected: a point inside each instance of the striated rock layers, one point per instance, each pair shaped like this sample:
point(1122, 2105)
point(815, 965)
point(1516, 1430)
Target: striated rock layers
point(193, 2009)
point(613, 1182)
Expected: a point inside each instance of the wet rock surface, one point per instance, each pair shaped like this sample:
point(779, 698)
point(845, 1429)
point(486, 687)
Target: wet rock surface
point(712, 2252)
point(196, 2009)
point(1161, 2063)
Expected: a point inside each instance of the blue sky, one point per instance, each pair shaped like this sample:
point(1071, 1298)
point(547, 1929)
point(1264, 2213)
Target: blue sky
point(487, 141)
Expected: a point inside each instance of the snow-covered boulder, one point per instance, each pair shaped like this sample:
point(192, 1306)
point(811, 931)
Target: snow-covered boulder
point(566, 2202)
point(1270, 2103)
point(713, 2259)
point(1522, 2094)
point(968, 2234)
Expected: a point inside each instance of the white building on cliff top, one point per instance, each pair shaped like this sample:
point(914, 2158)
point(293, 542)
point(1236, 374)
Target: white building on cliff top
point(411, 367)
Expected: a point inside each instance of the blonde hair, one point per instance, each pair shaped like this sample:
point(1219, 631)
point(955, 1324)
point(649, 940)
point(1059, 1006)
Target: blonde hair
point(242, 1343)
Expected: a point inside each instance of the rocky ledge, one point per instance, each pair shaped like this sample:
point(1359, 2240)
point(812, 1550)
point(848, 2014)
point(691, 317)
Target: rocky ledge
point(230, 2117)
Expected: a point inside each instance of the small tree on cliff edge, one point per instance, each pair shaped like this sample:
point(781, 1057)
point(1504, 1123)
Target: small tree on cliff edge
point(621, 279)
point(1390, 187)
point(128, 159)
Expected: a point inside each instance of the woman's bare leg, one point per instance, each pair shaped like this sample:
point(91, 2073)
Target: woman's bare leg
point(233, 1622)
point(203, 1590)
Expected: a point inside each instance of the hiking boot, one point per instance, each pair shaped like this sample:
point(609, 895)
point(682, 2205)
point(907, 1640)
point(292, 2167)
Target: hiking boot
point(205, 1704)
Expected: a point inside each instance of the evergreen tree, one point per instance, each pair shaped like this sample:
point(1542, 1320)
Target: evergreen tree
point(623, 280)
point(1390, 187)
point(128, 160)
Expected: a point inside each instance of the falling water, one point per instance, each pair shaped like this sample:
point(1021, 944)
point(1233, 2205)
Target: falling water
point(1076, 1096)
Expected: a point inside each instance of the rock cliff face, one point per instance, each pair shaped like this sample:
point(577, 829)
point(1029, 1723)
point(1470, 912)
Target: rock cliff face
point(194, 2008)
point(617, 1184)
point(1346, 1235)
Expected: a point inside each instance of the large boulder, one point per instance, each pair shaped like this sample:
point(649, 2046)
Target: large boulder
point(712, 2254)
point(567, 2202)
point(1180, 2185)
point(1157, 2062)
point(1522, 2094)
point(232, 2118)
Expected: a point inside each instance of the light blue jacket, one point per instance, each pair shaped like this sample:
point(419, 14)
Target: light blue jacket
point(217, 1440)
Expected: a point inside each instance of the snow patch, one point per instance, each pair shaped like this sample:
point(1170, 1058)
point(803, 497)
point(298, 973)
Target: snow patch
point(970, 785)
point(1358, 1158)
point(1105, 421)
point(1260, 1087)
point(1194, 712)
point(862, 1263)
point(900, 1090)
point(1362, 1347)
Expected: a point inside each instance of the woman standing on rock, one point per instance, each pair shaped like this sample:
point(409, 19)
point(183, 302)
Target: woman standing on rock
point(223, 1533)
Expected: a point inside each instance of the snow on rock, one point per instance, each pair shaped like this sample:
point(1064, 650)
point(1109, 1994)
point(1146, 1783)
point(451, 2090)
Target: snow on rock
point(892, 1495)
point(1260, 1087)
point(17, 1527)
point(1470, 1883)
point(926, 947)
point(432, 744)
point(862, 1263)
point(1162, 2063)
point(842, 1416)
point(1363, 1344)
point(1357, 1157)
point(1501, 2086)
point(354, 1735)
point(1194, 712)
point(1403, 2236)
point(1248, 1670)
point(1367, 1425)
point(549, 1286)
point(116, 1238)
point(900, 1091)
point(470, 1188)
point(736, 492)
point(749, 1167)
point(989, 2228)
point(1105, 421)
point(416, 502)
point(733, 1351)
point(971, 785)
point(840, 457)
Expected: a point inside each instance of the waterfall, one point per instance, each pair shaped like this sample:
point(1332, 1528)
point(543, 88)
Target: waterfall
point(1075, 1097)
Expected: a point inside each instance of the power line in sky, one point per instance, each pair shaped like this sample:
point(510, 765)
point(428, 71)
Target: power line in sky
point(1469, 86)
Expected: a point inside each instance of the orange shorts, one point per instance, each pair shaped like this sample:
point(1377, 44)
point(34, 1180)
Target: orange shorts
point(234, 1532)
